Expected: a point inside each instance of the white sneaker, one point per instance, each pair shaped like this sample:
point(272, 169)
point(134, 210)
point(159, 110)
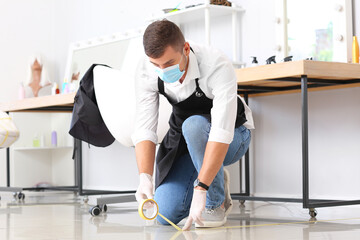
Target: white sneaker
point(213, 218)
point(228, 201)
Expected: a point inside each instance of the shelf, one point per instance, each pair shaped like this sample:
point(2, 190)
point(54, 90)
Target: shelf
point(206, 12)
point(41, 148)
point(238, 64)
point(56, 103)
point(197, 13)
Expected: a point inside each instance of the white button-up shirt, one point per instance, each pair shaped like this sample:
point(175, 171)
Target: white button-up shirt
point(217, 80)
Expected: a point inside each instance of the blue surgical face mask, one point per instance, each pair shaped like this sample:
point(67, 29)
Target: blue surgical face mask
point(170, 74)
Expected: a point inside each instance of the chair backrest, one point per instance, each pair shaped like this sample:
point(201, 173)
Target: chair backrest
point(115, 95)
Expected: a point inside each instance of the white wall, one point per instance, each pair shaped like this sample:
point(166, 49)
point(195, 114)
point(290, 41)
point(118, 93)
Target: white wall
point(47, 27)
point(333, 124)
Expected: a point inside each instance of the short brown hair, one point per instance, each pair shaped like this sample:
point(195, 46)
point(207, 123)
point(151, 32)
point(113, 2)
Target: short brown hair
point(161, 34)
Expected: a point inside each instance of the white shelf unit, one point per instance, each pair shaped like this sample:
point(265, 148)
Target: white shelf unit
point(42, 148)
point(32, 165)
point(206, 12)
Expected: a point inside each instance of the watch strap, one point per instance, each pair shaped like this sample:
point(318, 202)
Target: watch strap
point(203, 185)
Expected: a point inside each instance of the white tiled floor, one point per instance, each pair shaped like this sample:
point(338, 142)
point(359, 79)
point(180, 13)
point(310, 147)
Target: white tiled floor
point(64, 216)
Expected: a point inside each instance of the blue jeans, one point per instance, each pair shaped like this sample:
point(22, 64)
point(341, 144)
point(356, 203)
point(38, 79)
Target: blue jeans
point(175, 192)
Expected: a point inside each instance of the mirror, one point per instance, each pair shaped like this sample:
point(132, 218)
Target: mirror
point(109, 50)
point(309, 38)
point(115, 88)
point(320, 29)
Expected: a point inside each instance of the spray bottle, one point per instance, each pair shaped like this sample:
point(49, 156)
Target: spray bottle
point(254, 62)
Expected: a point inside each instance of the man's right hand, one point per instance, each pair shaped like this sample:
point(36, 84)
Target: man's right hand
point(145, 189)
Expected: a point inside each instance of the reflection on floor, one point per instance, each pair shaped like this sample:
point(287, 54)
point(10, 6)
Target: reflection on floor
point(65, 216)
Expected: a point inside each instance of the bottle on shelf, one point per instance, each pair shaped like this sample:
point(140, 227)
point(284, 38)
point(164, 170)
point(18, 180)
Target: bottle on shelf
point(36, 141)
point(65, 86)
point(53, 139)
point(42, 141)
point(355, 50)
point(55, 89)
point(21, 91)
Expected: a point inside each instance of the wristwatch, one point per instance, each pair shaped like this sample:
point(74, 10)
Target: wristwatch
point(200, 184)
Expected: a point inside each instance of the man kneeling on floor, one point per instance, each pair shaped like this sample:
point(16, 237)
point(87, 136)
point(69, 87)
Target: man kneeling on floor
point(209, 127)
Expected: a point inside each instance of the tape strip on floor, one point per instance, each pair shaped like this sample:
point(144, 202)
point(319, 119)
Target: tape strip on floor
point(275, 224)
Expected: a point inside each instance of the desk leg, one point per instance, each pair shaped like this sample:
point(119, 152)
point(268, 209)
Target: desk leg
point(305, 140)
point(8, 167)
point(247, 173)
point(247, 163)
point(78, 166)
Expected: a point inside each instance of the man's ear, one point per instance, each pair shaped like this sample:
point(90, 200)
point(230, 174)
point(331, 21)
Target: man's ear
point(187, 48)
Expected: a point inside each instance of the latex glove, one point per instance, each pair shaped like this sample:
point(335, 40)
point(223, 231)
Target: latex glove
point(145, 189)
point(197, 206)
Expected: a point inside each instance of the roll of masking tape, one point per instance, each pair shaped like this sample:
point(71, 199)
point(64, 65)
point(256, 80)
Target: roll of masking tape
point(142, 209)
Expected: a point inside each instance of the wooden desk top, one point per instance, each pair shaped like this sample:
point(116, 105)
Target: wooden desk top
point(56, 103)
point(275, 75)
point(279, 75)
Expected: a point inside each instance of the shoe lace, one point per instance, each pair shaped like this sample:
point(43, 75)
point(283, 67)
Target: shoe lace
point(209, 211)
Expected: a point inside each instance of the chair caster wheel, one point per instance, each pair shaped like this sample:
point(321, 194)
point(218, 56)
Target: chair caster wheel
point(104, 208)
point(95, 211)
point(312, 212)
point(21, 196)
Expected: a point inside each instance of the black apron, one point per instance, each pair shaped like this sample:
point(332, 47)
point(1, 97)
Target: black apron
point(173, 145)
